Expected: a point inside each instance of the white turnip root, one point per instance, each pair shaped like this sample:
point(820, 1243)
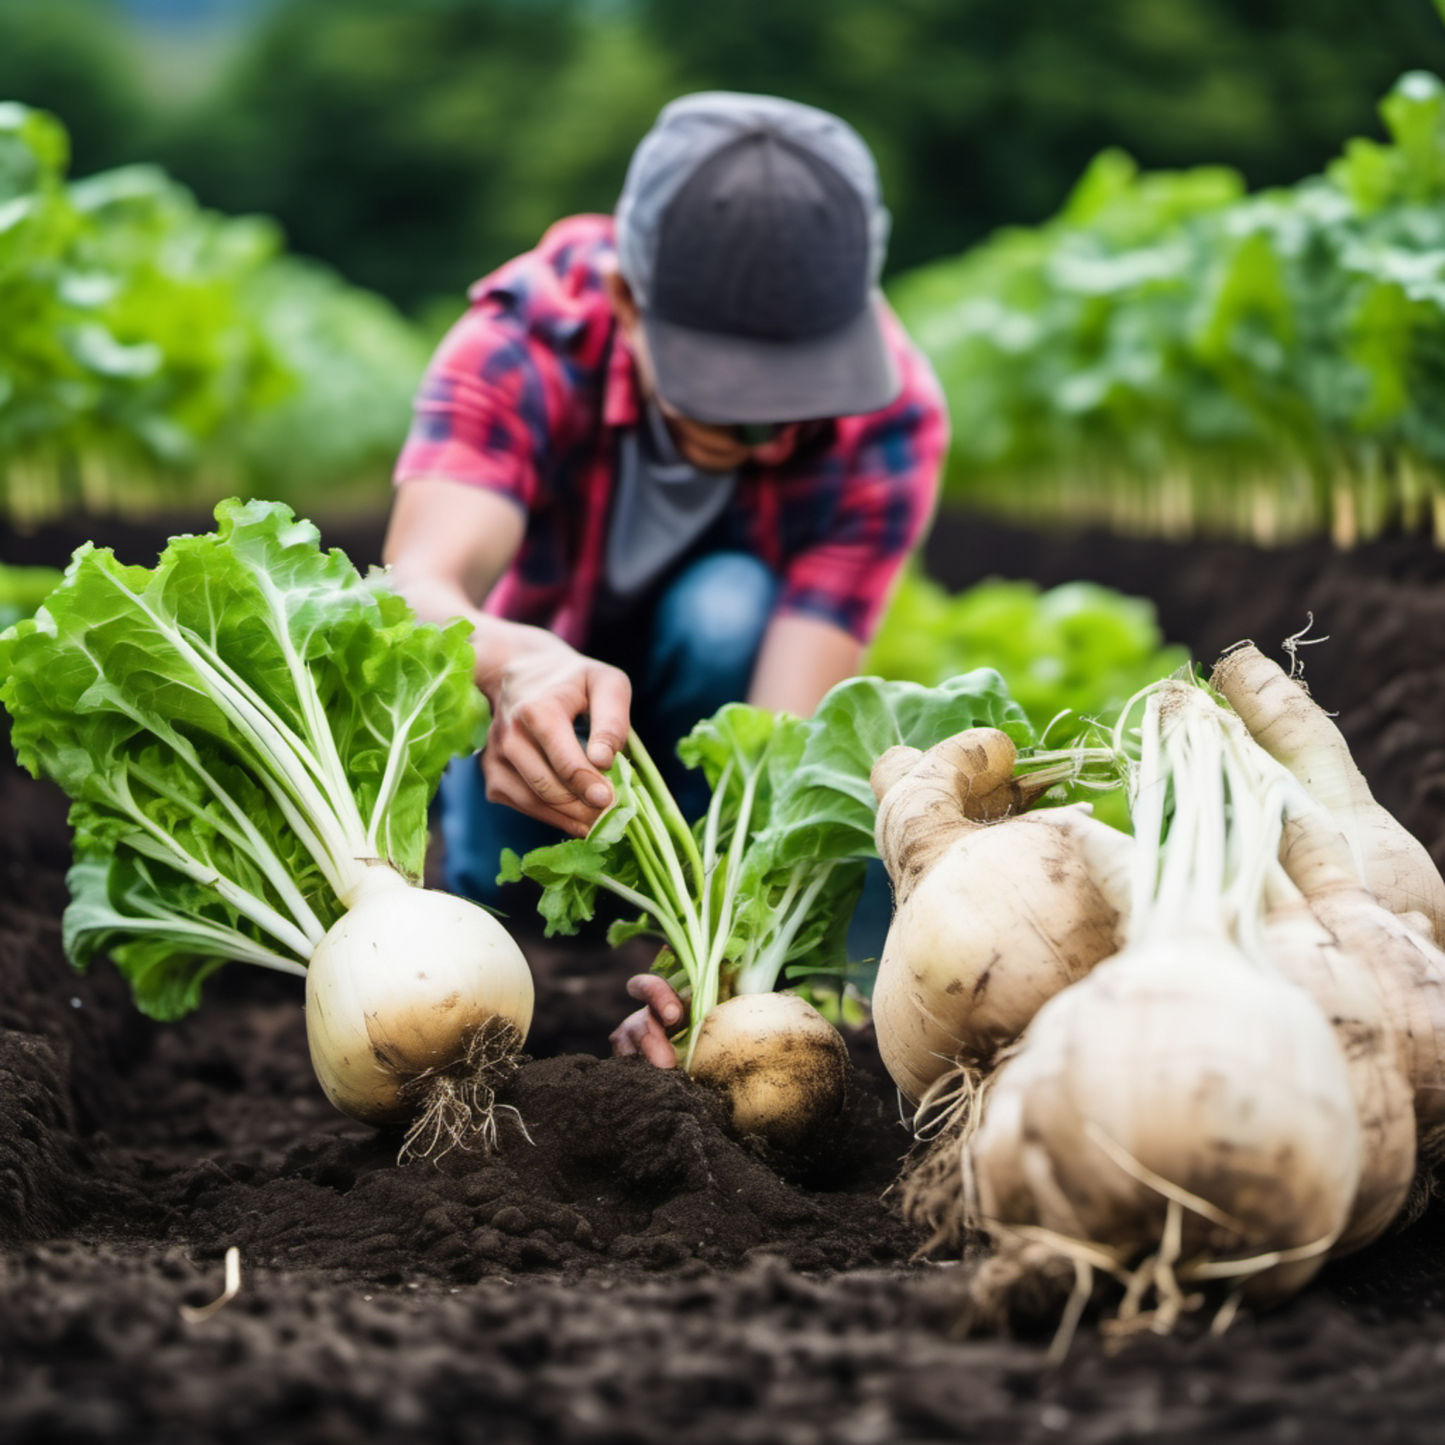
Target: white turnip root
point(1307, 954)
point(1177, 1115)
point(782, 1065)
point(1292, 728)
point(992, 917)
point(417, 1004)
point(1184, 1113)
point(1403, 964)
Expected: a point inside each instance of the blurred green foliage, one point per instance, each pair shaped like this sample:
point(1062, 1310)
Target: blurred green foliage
point(1071, 655)
point(983, 112)
point(74, 57)
point(1171, 354)
point(1168, 311)
point(155, 353)
point(23, 589)
point(415, 146)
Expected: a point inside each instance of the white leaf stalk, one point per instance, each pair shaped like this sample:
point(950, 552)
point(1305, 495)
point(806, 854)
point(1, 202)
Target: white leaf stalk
point(782, 1067)
point(691, 889)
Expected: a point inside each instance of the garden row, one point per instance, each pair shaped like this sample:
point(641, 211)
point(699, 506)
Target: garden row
point(157, 355)
point(1170, 354)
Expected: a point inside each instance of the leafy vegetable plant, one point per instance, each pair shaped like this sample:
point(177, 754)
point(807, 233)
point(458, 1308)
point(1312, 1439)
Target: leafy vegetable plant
point(761, 888)
point(1170, 355)
point(155, 352)
point(250, 734)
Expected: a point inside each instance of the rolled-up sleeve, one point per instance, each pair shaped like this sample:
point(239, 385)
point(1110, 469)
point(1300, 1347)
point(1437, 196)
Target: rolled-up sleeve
point(479, 415)
point(885, 492)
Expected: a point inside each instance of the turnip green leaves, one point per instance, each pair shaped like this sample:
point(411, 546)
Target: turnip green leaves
point(764, 883)
point(239, 729)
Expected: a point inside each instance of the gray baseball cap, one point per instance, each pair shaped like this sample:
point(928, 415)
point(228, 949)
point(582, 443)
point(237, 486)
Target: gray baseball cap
point(752, 233)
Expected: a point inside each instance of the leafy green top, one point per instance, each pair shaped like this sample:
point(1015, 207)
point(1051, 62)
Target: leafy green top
point(243, 730)
point(765, 882)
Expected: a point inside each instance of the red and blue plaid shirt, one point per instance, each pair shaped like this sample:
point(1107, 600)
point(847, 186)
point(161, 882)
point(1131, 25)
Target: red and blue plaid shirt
point(526, 395)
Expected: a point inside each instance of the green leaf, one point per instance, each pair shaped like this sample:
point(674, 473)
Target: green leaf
point(826, 809)
point(1414, 111)
point(97, 350)
point(571, 872)
point(34, 149)
point(251, 715)
point(166, 935)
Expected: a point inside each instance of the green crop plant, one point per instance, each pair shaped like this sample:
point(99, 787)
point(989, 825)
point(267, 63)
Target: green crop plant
point(1171, 356)
point(157, 355)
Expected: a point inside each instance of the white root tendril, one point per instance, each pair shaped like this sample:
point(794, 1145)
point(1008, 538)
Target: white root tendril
point(1146, 1176)
point(1073, 1312)
point(231, 1287)
point(945, 1120)
point(458, 1101)
point(1292, 645)
point(1160, 1275)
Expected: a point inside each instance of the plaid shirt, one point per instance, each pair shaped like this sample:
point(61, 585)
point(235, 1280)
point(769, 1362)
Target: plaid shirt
point(527, 392)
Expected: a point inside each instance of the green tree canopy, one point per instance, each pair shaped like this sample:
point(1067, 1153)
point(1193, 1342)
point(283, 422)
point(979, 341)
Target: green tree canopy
point(415, 146)
point(71, 57)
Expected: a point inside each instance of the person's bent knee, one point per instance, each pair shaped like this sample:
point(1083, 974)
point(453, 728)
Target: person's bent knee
point(719, 608)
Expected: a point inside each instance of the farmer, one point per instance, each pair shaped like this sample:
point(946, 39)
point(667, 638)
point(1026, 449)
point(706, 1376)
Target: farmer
point(669, 459)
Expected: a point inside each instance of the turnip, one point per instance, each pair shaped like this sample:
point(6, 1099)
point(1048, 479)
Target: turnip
point(1346, 987)
point(1307, 954)
point(1183, 1113)
point(1403, 965)
point(783, 1067)
point(1178, 1115)
point(760, 889)
point(417, 1003)
point(1296, 731)
point(250, 734)
point(996, 911)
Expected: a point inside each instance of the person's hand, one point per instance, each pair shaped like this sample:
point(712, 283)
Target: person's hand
point(533, 760)
point(645, 1032)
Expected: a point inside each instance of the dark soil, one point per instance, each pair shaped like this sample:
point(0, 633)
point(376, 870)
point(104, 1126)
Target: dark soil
point(625, 1270)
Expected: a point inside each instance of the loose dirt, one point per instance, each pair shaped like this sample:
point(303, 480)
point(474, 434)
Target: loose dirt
point(622, 1269)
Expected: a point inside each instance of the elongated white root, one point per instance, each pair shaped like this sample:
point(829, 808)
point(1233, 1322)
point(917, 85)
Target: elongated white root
point(993, 917)
point(417, 1004)
point(1292, 728)
point(1309, 955)
point(1403, 964)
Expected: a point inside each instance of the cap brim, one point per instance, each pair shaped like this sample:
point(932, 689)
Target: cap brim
point(711, 376)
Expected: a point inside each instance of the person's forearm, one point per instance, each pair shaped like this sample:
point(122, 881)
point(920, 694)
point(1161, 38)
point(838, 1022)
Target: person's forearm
point(494, 640)
point(800, 660)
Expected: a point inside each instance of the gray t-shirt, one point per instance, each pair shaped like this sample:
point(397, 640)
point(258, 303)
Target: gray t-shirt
point(662, 505)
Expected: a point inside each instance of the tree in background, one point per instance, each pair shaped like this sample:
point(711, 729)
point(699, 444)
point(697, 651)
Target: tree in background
point(984, 112)
point(72, 57)
point(415, 146)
